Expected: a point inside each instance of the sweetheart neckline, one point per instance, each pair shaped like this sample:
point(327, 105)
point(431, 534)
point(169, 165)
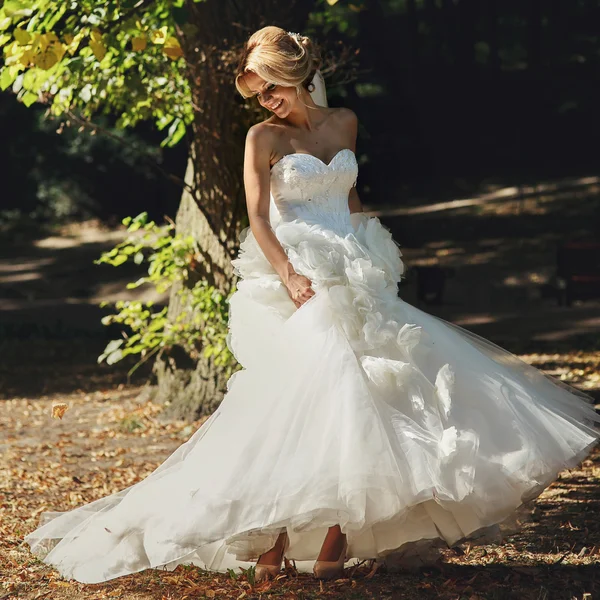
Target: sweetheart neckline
point(313, 156)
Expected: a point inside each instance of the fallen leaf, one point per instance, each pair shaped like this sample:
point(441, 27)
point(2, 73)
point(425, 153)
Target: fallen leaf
point(59, 409)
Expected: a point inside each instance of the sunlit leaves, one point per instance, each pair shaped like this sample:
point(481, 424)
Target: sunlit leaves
point(172, 48)
point(139, 43)
point(7, 77)
point(170, 257)
point(28, 98)
point(22, 36)
point(176, 132)
point(46, 59)
point(100, 55)
point(96, 44)
point(159, 36)
point(16, 9)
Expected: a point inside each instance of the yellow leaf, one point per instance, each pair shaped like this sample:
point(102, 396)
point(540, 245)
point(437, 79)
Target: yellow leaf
point(59, 409)
point(331, 2)
point(12, 50)
point(26, 57)
point(68, 37)
point(172, 48)
point(98, 49)
point(59, 50)
point(139, 43)
point(45, 40)
point(22, 36)
point(96, 35)
point(159, 36)
point(45, 60)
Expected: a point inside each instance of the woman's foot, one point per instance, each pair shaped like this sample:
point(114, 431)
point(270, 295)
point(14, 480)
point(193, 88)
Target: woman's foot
point(269, 563)
point(333, 544)
point(330, 562)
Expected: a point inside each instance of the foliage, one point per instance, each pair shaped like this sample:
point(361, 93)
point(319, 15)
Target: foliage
point(171, 257)
point(120, 57)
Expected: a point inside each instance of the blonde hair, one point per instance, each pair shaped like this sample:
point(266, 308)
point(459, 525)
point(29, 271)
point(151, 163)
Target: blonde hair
point(280, 57)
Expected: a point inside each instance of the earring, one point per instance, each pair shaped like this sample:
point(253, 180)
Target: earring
point(311, 87)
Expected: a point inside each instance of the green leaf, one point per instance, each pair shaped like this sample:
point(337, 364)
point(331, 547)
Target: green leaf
point(8, 76)
point(119, 260)
point(176, 132)
point(28, 98)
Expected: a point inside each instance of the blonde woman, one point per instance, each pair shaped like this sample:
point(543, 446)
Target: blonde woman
point(360, 426)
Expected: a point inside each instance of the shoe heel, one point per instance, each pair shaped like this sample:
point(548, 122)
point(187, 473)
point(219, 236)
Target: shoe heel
point(331, 569)
point(263, 572)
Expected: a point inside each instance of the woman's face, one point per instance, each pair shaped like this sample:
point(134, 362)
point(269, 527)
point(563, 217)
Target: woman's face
point(279, 99)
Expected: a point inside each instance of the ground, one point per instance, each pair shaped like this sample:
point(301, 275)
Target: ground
point(111, 436)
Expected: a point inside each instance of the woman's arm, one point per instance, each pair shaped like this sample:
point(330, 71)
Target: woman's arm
point(257, 165)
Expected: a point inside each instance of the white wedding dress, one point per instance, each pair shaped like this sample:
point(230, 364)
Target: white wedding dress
point(356, 409)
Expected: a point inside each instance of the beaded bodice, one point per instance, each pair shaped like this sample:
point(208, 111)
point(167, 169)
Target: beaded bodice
point(304, 187)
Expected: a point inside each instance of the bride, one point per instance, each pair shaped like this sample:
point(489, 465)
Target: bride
point(360, 427)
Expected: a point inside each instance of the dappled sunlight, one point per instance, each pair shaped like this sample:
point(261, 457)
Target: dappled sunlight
point(540, 192)
point(19, 277)
point(59, 269)
point(526, 278)
point(499, 257)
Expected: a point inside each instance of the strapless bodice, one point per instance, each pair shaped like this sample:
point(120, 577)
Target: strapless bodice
point(306, 188)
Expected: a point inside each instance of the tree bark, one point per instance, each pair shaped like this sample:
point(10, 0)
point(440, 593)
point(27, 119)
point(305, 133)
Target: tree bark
point(214, 213)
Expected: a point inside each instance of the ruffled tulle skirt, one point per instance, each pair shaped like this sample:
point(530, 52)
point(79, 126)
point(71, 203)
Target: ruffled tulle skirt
point(356, 409)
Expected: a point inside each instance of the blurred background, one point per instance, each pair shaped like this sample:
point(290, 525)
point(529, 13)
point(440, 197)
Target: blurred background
point(478, 148)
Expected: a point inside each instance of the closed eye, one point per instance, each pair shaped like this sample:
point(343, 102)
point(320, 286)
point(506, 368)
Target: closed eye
point(269, 88)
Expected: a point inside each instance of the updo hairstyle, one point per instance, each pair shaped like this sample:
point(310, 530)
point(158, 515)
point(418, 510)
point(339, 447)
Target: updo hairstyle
point(280, 57)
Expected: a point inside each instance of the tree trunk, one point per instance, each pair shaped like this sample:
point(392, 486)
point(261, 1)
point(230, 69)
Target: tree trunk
point(212, 210)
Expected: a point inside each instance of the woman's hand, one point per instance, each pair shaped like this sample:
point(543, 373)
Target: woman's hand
point(298, 288)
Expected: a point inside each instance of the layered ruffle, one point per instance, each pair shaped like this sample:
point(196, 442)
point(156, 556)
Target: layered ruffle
point(477, 431)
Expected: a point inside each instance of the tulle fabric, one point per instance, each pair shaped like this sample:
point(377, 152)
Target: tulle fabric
point(356, 409)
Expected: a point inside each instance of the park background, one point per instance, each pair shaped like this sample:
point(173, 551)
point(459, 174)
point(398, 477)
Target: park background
point(477, 148)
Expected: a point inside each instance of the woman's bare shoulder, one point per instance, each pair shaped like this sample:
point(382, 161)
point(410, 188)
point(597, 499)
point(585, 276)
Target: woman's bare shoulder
point(345, 123)
point(264, 136)
point(346, 115)
point(262, 132)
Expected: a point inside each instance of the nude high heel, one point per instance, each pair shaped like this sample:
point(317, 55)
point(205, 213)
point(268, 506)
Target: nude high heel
point(331, 569)
point(264, 572)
